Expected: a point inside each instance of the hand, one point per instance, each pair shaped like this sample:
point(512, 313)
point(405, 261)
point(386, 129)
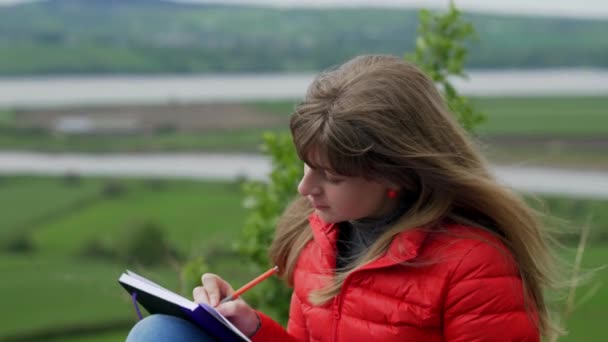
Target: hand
point(237, 311)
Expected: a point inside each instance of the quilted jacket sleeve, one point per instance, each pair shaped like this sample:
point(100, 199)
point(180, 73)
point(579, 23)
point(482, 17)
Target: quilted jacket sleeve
point(484, 300)
point(273, 331)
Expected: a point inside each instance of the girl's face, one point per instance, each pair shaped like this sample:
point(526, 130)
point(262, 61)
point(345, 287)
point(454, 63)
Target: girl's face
point(337, 198)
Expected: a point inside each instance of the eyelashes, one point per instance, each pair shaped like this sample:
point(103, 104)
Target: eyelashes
point(332, 179)
point(325, 175)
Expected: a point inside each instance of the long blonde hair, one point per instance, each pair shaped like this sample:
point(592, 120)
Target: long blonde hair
point(380, 117)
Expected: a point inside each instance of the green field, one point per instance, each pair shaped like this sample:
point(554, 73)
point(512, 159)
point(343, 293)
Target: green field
point(563, 125)
point(80, 37)
point(43, 291)
point(190, 213)
point(42, 198)
point(51, 288)
point(62, 238)
point(565, 116)
point(545, 116)
point(585, 323)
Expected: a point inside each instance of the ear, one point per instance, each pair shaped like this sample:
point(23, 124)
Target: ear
point(390, 193)
point(391, 186)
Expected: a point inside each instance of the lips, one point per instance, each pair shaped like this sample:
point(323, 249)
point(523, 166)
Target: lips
point(318, 206)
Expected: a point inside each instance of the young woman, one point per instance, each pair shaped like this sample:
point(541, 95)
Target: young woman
point(401, 233)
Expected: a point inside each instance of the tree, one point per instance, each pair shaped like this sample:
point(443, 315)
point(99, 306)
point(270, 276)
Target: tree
point(441, 52)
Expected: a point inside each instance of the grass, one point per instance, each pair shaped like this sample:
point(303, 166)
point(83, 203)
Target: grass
point(6, 118)
point(33, 199)
point(568, 215)
point(43, 291)
point(545, 116)
point(275, 107)
point(104, 337)
point(190, 212)
point(51, 288)
point(552, 154)
point(586, 322)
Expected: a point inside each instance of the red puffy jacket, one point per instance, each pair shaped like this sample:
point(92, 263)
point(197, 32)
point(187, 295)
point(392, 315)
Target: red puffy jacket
point(462, 285)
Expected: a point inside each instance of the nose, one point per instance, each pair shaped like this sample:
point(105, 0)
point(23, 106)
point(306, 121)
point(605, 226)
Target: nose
point(307, 185)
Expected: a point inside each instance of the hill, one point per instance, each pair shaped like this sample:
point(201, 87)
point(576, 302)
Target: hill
point(155, 36)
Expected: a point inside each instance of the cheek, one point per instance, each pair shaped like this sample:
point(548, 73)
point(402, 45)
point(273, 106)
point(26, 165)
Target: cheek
point(369, 203)
point(356, 203)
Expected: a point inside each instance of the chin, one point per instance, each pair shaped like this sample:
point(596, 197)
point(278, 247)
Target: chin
point(326, 217)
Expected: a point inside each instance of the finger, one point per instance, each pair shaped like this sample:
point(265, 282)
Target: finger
point(200, 295)
point(210, 282)
point(216, 288)
point(229, 309)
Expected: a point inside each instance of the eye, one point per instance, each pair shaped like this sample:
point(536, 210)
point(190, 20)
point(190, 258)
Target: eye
point(333, 178)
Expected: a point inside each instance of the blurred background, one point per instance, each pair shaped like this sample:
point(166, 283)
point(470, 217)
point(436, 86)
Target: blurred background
point(127, 129)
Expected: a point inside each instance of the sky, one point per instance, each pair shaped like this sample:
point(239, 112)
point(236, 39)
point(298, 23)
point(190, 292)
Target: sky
point(564, 8)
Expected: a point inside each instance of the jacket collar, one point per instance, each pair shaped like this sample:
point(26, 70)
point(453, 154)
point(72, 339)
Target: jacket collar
point(405, 245)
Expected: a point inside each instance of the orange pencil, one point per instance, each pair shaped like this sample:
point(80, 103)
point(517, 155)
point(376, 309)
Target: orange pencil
point(251, 284)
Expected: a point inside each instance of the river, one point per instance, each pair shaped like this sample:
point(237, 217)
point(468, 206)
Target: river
point(107, 90)
point(104, 90)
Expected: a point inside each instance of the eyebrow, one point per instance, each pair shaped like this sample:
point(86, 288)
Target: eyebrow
point(330, 172)
point(318, 167)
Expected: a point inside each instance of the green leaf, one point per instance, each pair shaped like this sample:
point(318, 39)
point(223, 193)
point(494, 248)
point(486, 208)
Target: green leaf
point(440, 52)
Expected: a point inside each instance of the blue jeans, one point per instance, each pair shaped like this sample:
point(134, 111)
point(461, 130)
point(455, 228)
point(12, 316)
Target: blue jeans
point(156, 328)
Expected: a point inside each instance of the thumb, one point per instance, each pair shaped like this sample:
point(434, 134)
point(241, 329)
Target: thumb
point(230, 308)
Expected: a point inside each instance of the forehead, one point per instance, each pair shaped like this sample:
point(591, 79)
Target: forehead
point(322, 157)
point(317, 159)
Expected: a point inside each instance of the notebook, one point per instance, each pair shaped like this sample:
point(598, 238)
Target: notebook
point(158, 300)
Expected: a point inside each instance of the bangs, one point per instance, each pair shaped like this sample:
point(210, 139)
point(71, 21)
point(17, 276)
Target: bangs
point(322, 143)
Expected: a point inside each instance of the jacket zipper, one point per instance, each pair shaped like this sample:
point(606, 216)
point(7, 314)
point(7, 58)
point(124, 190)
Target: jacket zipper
point(337, 308)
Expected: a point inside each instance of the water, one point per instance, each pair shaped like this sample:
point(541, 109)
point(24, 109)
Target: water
point(104, 90)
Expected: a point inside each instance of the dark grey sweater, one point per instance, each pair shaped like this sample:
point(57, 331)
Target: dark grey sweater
point(354, 237)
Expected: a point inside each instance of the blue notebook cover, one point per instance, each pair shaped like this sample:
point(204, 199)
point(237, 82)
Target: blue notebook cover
point(158, 300)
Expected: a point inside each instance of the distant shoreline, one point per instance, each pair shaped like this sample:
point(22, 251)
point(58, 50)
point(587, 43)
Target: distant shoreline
point(70, 90)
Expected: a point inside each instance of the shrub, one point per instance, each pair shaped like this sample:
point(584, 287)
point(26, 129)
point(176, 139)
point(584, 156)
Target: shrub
point(190, 274)
point(97, 249)
point(146, 244)
point(441, 52)
point(113, 189)
point(19, 242)
point(266, 201)
point(156, 184)
point(72, 179)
